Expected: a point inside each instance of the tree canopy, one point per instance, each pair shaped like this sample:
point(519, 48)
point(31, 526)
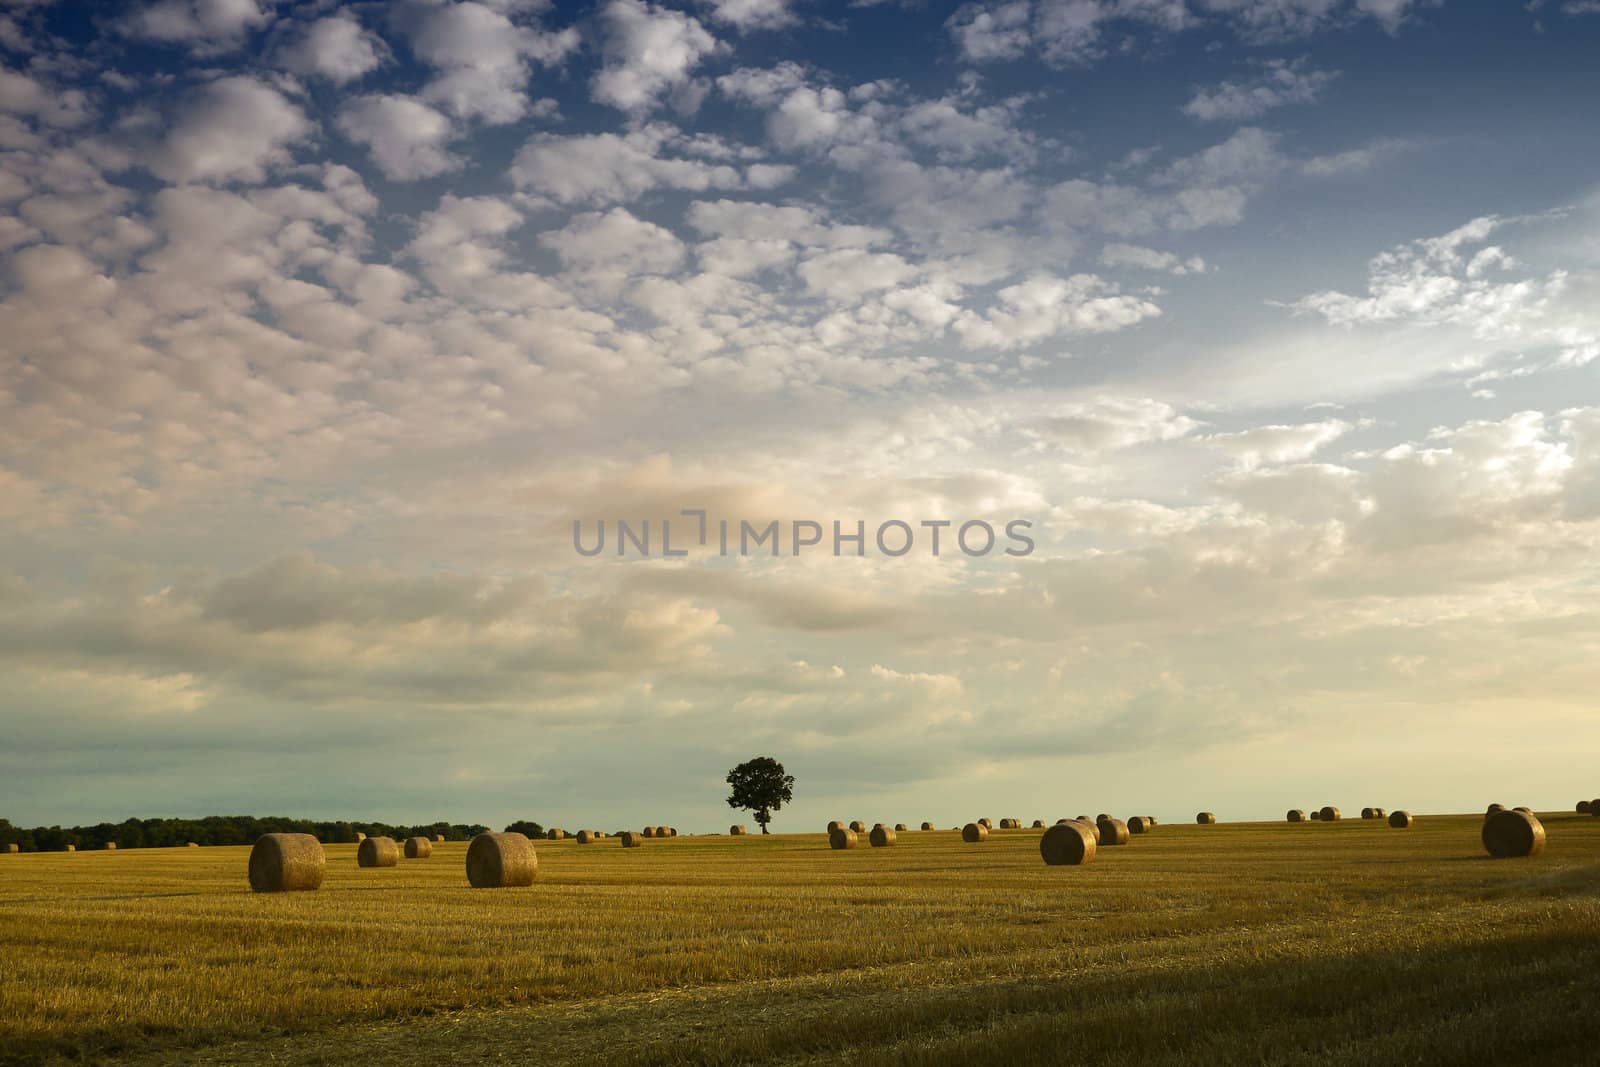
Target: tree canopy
point(215, 830)
point(760, 786)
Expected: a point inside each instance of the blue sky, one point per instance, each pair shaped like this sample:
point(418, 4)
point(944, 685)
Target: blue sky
point(321, 324)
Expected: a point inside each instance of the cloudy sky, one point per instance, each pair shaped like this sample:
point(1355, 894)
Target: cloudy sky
point(321, 325)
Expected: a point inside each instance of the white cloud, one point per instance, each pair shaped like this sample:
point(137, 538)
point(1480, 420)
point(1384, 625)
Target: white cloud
point(208, 27)
point(335, 47)
point(991, 32)
point(1249, 155)
point(1279, 444)
point(1348, 162)
point(960, 134)
point(1046, 306)
point(607, 167)
point(748, 15)
point(232, 129)
point(1433, 281)
point(1275, 20)
point(1280, 83)
point(482, 57)
point(782, 222)
point(1075, 32)
point(846, 276)
point(1106, 424)
point(802, 117)
point(22, 95)
point(1125, 255)
point(406, 137)
point(460, 246)
point(648, 51)
point(1209, 188)
point(615, 241)
point(1066, 32)
point(54, 272)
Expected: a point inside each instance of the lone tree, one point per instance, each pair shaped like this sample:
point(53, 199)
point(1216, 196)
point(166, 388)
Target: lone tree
point(760, 786)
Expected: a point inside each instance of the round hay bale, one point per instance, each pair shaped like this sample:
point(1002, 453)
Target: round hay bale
point(1038, 824)
point(281, 863)
point(13, 848)
point(70, 848)
point(1083, 818)
point(1509, 834)
point(834, 824)
point(1594, 807)
point(927, 826)
point(900, 828)
point(881, 837)
point(438, 839)
point(1400, 820)
point(1380, 813)
point(1153, 820)
point(1583, 807)
point(110, 846)
point(1316, 816)
point(496, 860)
point(1206, 818)
point(1367, 813)
point(631, 839)
point(1525, 811)
point(418, 848)
point(196, 844)
point(555, 833)
point(360, 837)
point(1102, 817)
point(974, 832)
point(1494, 809)
point(1112, 832)
point(1296, 815)
point(736, 830)
point(1067, 844)
point(986, 824)
point(857, 826)
point(1331, 814)
point(649, 831)
point(1139, 824)
point(378, 852)
point(842, 837)
point(586, 837)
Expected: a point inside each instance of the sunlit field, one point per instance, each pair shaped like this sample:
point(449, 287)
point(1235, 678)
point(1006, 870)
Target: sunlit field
point(1347, 943)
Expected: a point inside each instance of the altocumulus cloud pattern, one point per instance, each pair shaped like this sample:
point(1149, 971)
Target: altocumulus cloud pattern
point(320, 325)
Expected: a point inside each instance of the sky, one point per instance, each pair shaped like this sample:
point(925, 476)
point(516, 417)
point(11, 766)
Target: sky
point(321, 326)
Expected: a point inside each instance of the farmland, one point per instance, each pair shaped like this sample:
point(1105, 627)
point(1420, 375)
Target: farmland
point(1316, 943)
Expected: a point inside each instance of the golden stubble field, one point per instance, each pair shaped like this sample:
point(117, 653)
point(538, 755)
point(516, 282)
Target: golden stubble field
point(1260, 943)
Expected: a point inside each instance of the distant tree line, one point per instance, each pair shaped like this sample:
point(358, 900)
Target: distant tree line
point(225, 830)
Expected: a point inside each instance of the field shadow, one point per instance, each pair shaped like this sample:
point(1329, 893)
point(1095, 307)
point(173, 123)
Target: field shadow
point(101, 899)
point(1512, 997)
